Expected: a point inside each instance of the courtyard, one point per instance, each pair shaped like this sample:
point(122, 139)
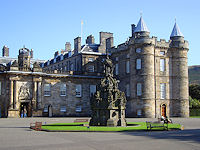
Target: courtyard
point(15, 134)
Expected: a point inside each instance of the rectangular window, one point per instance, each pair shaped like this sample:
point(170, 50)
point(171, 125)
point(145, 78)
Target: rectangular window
point(47, 89)
point(138, 50)
point(127, 66)
point(45, 108)
point(162, 53)
point(72, 67)
point(162, 90)
point(63, 109)
point(90, 59)
point(90, 68)
point(92, 89)
point(117, 59)
point(162, 64)
point(0, 88)
point(63, 89)
point(138, 64)
point(78, 90)
point(78, 109)
point(139, 89)
point(116, 69)
point(128, 90)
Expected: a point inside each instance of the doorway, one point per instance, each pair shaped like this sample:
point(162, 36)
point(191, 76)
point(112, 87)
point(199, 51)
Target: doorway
point(163, 110)
point(50, 113)
point(25, 109)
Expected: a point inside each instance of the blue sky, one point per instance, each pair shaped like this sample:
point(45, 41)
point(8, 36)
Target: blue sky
point(45, 25)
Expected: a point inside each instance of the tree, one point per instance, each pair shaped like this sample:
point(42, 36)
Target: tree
point(194, 103)
point(194, 91)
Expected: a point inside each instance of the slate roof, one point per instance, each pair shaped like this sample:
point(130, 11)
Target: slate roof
point(141, 26)
point(176, 31)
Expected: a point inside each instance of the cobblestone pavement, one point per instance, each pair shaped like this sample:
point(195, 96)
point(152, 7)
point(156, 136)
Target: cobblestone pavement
point(16, 135)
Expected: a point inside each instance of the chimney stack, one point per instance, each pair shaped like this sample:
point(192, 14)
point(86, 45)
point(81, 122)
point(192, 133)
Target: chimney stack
point(67, 46)
point(90, 39)
point(5, 51)
point(77, 45)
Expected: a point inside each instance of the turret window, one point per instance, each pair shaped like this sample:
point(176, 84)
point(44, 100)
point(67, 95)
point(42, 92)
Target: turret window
point(138, 50)
point(162, 90)
point(116, 69)
point(127, 66)
point(90, 68)
point(139, 89)
point(128, 90)
point(162, 64)
point(138, 64)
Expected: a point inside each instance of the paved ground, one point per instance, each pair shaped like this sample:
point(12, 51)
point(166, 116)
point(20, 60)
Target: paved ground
point(16, 135)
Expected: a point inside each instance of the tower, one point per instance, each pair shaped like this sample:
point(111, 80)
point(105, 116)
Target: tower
point(142, 78)
point(180, 99)
point(24, 59)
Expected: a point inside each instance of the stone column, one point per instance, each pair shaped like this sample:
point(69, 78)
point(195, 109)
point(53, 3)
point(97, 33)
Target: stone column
point(14, 94)
point(11, 94)
point(39, 95)
point(34, 100)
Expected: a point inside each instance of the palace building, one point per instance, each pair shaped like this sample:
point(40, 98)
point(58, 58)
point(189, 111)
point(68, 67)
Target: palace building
point(153, 74)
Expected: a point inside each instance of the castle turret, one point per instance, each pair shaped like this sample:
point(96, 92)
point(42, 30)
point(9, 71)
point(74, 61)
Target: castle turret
point(179, 48)
point(143, 76)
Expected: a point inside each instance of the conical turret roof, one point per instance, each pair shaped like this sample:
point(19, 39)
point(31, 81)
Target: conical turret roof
point(176, 31)
point(141, 26)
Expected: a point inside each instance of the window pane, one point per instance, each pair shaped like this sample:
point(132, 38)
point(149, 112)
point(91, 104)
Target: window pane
point(78, 109)
point(116, 69)
point(139, 89)
point(92, 89)
point(128, 66)
point(162, 64)
point(138, 63)
point(163, 90)
point(138, 50)
point(78, 90)
point(47, 89)
point(128, 90)
point(63, 109)
point(90, 68)
point(63, 90)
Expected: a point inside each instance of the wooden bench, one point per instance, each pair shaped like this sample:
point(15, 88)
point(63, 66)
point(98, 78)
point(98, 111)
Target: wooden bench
point(80, 120)
point(151, 125)
point(36, 126)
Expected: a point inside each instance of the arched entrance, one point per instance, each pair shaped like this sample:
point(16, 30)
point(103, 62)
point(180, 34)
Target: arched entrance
point(163, 110)
point(25, 109)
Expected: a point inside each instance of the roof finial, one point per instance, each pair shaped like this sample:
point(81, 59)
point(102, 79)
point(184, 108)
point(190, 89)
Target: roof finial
point(175, 19)
point(140, 13)
point(24, 46)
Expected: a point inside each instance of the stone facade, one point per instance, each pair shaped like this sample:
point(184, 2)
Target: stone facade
point(153, 74)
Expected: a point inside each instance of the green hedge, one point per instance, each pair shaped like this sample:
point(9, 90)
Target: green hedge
point(194, 112)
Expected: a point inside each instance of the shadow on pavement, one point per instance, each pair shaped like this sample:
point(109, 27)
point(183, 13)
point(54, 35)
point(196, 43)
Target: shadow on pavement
point(192, 135)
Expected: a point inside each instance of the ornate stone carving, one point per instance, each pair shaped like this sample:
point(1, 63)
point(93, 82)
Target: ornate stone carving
point(108, 103)
point(24, 92)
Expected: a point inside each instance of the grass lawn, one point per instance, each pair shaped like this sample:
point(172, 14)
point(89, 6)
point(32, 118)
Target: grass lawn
point(194, 116)
point(139, 126)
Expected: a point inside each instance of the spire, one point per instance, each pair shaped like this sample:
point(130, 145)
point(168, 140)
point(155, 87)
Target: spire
point(176, 31)
point(141, 26)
